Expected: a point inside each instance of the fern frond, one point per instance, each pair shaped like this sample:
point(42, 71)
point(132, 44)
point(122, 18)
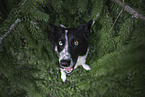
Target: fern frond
point(82, 5)
point(39, 15)
point(97, 8)
point(124, 33)
point(57, 5)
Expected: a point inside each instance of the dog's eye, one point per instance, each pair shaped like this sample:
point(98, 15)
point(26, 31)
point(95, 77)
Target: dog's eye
point(76, 43)
point(60, 43)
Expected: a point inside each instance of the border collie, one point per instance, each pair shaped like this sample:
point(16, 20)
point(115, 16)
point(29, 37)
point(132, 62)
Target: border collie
point(71, 46)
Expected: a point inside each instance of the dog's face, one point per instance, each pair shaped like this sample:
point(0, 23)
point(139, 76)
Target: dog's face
point(69, 44)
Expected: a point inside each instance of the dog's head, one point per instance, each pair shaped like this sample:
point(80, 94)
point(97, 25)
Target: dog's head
point(69, 44)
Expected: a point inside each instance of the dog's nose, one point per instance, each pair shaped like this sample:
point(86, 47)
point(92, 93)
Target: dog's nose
point(65, 63)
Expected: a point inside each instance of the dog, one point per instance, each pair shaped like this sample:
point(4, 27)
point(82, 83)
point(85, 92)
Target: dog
point(71, 46)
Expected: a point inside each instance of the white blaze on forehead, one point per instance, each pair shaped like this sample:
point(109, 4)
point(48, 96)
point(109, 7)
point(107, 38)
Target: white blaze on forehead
point(64, 54)
point(66, 45)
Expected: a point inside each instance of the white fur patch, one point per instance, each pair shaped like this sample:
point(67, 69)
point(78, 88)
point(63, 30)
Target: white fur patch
point(82, 61)
point(56, 50)
point(62, 26)
point(85, 66)
point(63, 75)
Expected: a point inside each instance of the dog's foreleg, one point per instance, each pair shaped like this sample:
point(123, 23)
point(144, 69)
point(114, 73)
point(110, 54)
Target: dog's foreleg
point(63, 75)
point(85, 66)
point(82, 61)
point(75, 66)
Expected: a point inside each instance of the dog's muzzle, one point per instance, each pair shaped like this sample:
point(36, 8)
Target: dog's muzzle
point(66, 65)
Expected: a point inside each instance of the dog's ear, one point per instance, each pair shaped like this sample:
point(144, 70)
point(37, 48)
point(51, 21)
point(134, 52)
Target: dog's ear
point(54, 28)
point(85, 28)
point(54, 33)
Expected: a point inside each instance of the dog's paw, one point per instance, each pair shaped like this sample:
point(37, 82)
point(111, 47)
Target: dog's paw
point(63, 75)
point(85, 66)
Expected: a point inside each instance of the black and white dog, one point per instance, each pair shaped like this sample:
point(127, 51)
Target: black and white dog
point(71, 46)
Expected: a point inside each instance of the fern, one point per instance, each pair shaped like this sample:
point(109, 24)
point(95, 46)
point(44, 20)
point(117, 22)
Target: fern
point(82, 5)
point(28, 62)
point(39, 15)
point(57, 4)
point(97, 8)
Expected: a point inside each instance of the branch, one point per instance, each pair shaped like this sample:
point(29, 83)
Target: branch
point(10, 29)
point(116, 19)
point(13, 25)
point(130, 10)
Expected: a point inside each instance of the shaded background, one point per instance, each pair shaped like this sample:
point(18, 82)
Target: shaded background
point(117, 49)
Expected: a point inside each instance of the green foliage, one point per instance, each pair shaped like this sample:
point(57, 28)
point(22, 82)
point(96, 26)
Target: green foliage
point(28, 62)
point(82, 5)
point(97, 8)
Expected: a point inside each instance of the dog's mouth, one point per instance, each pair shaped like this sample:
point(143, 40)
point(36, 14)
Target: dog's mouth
point(68, 69)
